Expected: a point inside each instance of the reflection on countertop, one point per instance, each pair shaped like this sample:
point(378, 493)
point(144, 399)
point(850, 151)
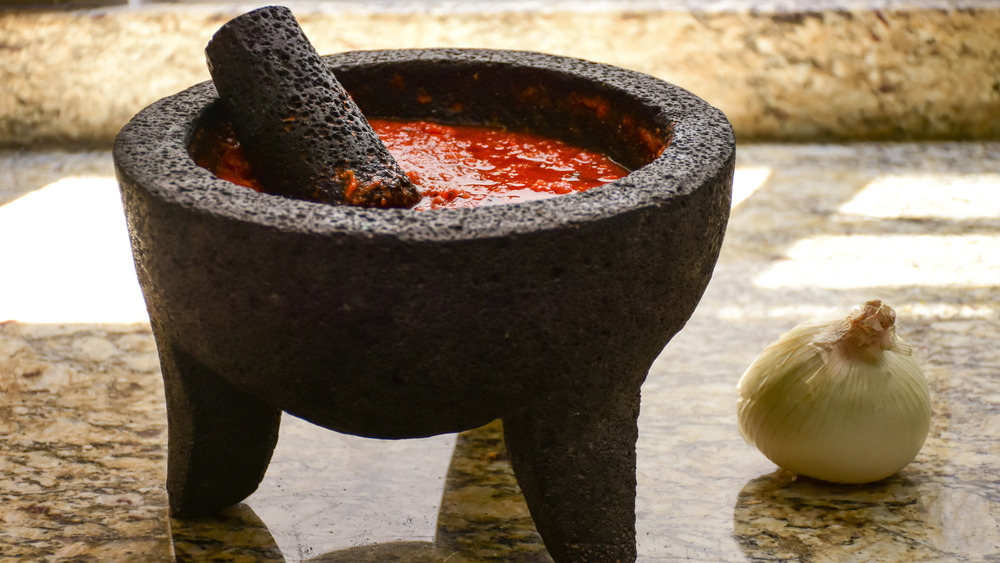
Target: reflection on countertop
point(816, 229)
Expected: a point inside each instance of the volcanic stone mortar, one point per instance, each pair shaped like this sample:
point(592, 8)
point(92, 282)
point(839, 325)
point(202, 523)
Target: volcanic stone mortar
point(394, 323)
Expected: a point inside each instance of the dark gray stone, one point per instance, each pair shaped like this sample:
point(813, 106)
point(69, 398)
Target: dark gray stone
point(393, 323)
point(302, 134)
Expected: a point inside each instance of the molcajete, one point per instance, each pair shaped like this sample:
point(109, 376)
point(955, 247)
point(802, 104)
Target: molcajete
point(395, 323)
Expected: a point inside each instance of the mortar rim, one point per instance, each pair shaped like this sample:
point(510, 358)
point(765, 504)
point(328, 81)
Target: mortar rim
point(151, 151)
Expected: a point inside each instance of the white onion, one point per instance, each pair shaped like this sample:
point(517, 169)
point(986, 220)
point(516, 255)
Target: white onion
point(841, 401)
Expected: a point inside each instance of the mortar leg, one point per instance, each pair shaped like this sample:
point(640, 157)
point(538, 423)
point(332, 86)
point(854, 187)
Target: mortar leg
point(576, 467)
point(220, 439)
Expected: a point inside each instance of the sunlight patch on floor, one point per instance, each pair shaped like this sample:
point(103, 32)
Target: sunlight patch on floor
point(901, 260)
point(747, 180)
point(855, 261)
point(66, 256)
point(928, 196)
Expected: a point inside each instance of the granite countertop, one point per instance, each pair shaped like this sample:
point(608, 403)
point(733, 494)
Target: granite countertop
point(816, 229)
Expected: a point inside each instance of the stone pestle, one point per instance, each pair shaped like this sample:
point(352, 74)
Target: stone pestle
point(301, 132)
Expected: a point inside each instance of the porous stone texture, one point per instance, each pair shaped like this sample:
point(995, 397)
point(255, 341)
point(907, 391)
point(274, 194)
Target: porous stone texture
point(300, 130)
point(371, 321)
point(829, 70)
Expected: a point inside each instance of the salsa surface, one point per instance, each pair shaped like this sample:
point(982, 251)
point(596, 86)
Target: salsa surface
point(465, 165)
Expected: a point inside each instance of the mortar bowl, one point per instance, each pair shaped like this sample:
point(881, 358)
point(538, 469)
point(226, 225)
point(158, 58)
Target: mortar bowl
point(395, 323)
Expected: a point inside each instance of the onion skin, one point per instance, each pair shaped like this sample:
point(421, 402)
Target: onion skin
point(841, 401)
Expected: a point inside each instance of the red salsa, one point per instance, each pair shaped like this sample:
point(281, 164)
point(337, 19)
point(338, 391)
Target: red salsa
point(465, 166)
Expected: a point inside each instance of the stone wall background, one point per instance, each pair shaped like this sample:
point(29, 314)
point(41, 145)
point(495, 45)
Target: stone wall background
point(842, 71)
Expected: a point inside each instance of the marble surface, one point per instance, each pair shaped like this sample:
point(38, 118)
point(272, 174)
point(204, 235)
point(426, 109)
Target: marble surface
point(797, 70)
point(816, 229)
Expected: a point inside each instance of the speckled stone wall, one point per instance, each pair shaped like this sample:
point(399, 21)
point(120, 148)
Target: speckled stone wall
point(836, 70)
